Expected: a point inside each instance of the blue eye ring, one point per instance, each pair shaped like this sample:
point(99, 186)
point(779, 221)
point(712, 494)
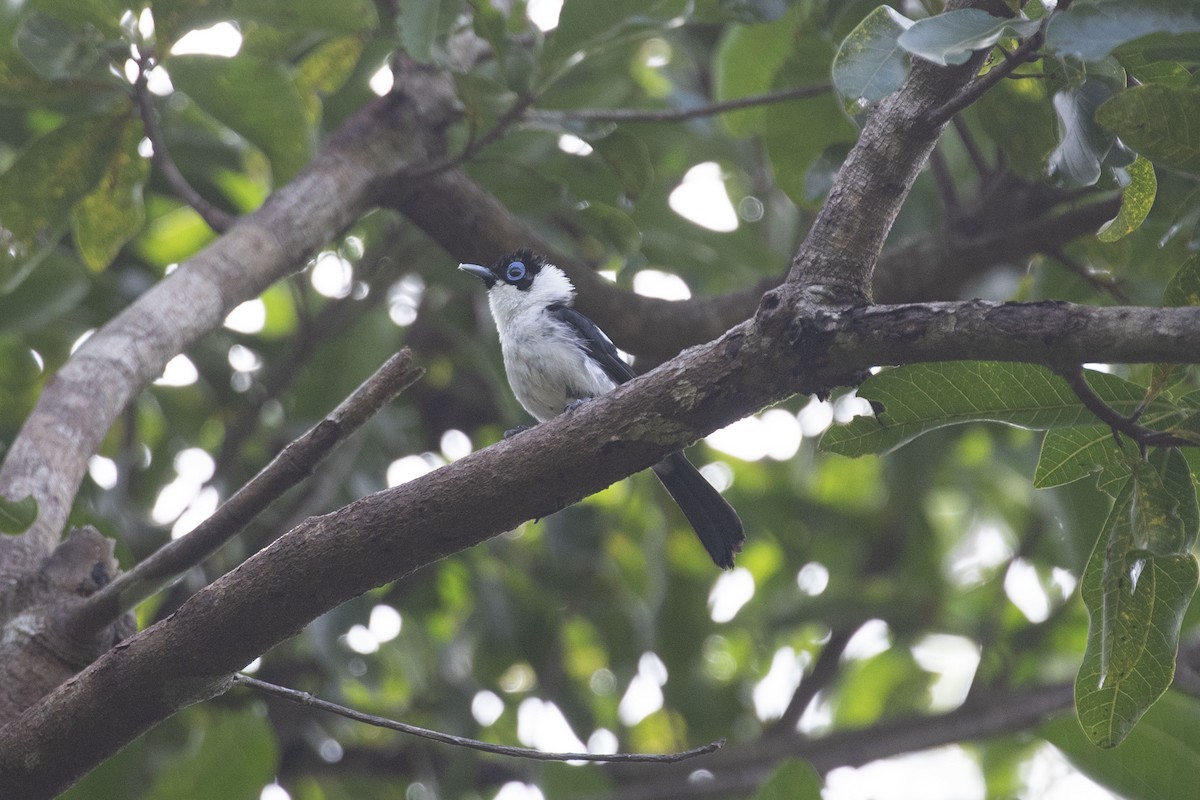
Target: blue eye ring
point(515, 271)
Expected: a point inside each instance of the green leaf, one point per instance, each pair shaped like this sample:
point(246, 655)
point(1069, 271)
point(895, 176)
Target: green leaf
point(113, 212)
point(917, 398)
point(1089, 31)
point(237, 755)
point(323, 71)
point(951, 37)
point(747, 60)
point(60, 50)
point(1184, 287)
point(1136, 586)
point(102, 16)
point(19, 366)
point(1136, 201)
point(583, 24)
point(46, 180)
point(333, 16)
point(173, 236)
point(422, 23)
point(1159, 760)
point(870, 64)
point(257, 99)
point(173, 18)
point(1018, 116)
point(626, 155)
point(798, 132)
point(53, 289)
point(1071, 454)
point(1161, 123)
point(17, 515)
point(792, 780)
point(754, 11)
point(1083, 143)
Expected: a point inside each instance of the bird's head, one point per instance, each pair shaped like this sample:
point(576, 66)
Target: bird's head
point(523, 278)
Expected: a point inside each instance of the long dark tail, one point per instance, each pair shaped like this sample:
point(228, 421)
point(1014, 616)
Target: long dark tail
point(715, 521)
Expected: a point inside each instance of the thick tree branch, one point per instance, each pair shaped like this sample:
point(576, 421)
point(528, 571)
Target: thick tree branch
point(306, 699)
point(49, 456)
point(295, 463)
point(329, 559)
point(837, 259)
point(472, 225)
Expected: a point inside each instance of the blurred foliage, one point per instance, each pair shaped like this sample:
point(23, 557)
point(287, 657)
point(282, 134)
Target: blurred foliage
point(944, 537)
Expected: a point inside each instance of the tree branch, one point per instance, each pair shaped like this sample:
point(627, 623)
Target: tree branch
point(837, 259)
point(306, 699)
point(217, 219)
point(740, 770)
point(978, 87)
point(293, 464)
point(675, 114)
point(1120, 424)
point(329, 559)
point(49, 456)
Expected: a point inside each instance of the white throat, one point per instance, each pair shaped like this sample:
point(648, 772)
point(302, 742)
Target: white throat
point(550, 287)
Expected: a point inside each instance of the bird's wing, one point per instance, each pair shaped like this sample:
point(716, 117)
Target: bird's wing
point(597, 345)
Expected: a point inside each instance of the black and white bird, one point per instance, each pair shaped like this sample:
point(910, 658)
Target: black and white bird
point(556, 357)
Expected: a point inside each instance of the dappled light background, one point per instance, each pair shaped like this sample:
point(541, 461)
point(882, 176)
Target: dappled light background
point(877, 588)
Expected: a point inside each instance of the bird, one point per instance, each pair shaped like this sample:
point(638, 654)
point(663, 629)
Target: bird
point(556, 358)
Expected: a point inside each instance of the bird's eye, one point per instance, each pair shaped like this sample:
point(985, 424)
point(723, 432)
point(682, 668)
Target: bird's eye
point(515, 271)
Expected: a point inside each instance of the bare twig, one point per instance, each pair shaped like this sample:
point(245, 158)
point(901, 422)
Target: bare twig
point(969, 144)
point(824, 670)
point(306, 699)
point(1098, 281)
point(1144, 437)
point(477, 143)
point(291, 466)
point(978, 87)
point(218, 220)
point(677, 114)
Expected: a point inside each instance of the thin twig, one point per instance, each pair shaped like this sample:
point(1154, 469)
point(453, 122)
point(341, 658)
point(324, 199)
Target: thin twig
point(944, 181)
point(823, 672)
point(1144, 437)
point(306, 699)
point(677, 114)
point(978, 160)
point(978, 87)
point(475, 144)
point(1098, 281)
point(295, 463)
point(220, 221)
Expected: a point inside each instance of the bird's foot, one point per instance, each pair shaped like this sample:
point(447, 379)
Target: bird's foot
point(574, 404)
point(508, 434)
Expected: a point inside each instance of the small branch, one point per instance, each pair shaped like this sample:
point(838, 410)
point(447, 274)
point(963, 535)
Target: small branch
point(306, 699)
point(218, 220)
point(1144, 437)
point(503, 123)
point(944, 182)
point(969, 144)
point(1097, 281)
point(677, 114)
point(823, 672)
point(978, 87)
point(295, 463)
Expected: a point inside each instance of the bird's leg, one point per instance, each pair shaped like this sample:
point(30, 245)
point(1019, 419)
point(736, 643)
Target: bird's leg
point(574, 404)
